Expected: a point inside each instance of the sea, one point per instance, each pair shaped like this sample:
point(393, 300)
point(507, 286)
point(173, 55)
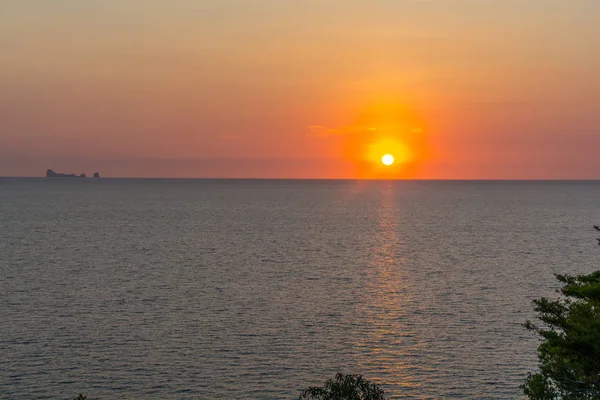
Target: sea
point(257, 289)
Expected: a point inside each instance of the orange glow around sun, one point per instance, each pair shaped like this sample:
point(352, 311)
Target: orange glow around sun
point(389, 151)
point(386, 143)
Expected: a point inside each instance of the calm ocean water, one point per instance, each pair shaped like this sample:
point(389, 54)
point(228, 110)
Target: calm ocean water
point(225, 289)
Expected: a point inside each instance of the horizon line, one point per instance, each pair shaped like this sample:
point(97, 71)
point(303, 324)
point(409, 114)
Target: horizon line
point(318, 179)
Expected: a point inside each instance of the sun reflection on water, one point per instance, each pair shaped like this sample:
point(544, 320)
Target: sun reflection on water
point(384, 345)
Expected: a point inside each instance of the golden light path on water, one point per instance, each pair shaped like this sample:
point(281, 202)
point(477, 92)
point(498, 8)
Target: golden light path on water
point(384, 340)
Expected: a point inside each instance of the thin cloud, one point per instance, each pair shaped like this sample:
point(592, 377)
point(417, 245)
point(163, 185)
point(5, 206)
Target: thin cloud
point(319, 131)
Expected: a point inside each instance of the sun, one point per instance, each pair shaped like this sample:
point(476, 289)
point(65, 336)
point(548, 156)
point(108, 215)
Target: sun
point(387, 159)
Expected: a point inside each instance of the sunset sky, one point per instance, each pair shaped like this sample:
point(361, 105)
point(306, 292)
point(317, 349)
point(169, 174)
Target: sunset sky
point(454, 89)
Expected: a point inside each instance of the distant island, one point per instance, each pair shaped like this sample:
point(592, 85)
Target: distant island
point(52, 174)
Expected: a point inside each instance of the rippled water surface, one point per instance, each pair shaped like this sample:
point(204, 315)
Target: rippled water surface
point(200, 289)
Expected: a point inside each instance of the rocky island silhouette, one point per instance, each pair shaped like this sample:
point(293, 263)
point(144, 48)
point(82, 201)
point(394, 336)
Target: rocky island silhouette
point(51, 174)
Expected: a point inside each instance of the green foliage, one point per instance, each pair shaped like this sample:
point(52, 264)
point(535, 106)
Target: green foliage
point(569, 355)
point(344, 387)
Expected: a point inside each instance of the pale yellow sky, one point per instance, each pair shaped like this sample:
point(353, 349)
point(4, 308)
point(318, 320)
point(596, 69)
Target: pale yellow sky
point(473, 89)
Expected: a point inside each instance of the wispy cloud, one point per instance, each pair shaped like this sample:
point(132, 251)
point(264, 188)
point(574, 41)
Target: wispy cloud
point(319, 131)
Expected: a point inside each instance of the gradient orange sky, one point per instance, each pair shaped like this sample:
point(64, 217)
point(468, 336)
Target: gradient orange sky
point(464, 89)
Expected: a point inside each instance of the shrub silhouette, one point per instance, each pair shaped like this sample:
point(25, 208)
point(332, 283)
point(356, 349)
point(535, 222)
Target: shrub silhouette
point(569, 355)
point(344, 387)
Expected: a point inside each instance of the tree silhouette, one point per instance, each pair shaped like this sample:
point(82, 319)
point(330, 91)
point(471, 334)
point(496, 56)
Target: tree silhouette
point(344, 387)
point(569, 355)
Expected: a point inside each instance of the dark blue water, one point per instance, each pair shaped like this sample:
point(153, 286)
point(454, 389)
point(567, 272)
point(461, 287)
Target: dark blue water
point(224, 289)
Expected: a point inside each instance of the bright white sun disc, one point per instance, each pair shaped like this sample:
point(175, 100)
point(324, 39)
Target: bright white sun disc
point(388, 159)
